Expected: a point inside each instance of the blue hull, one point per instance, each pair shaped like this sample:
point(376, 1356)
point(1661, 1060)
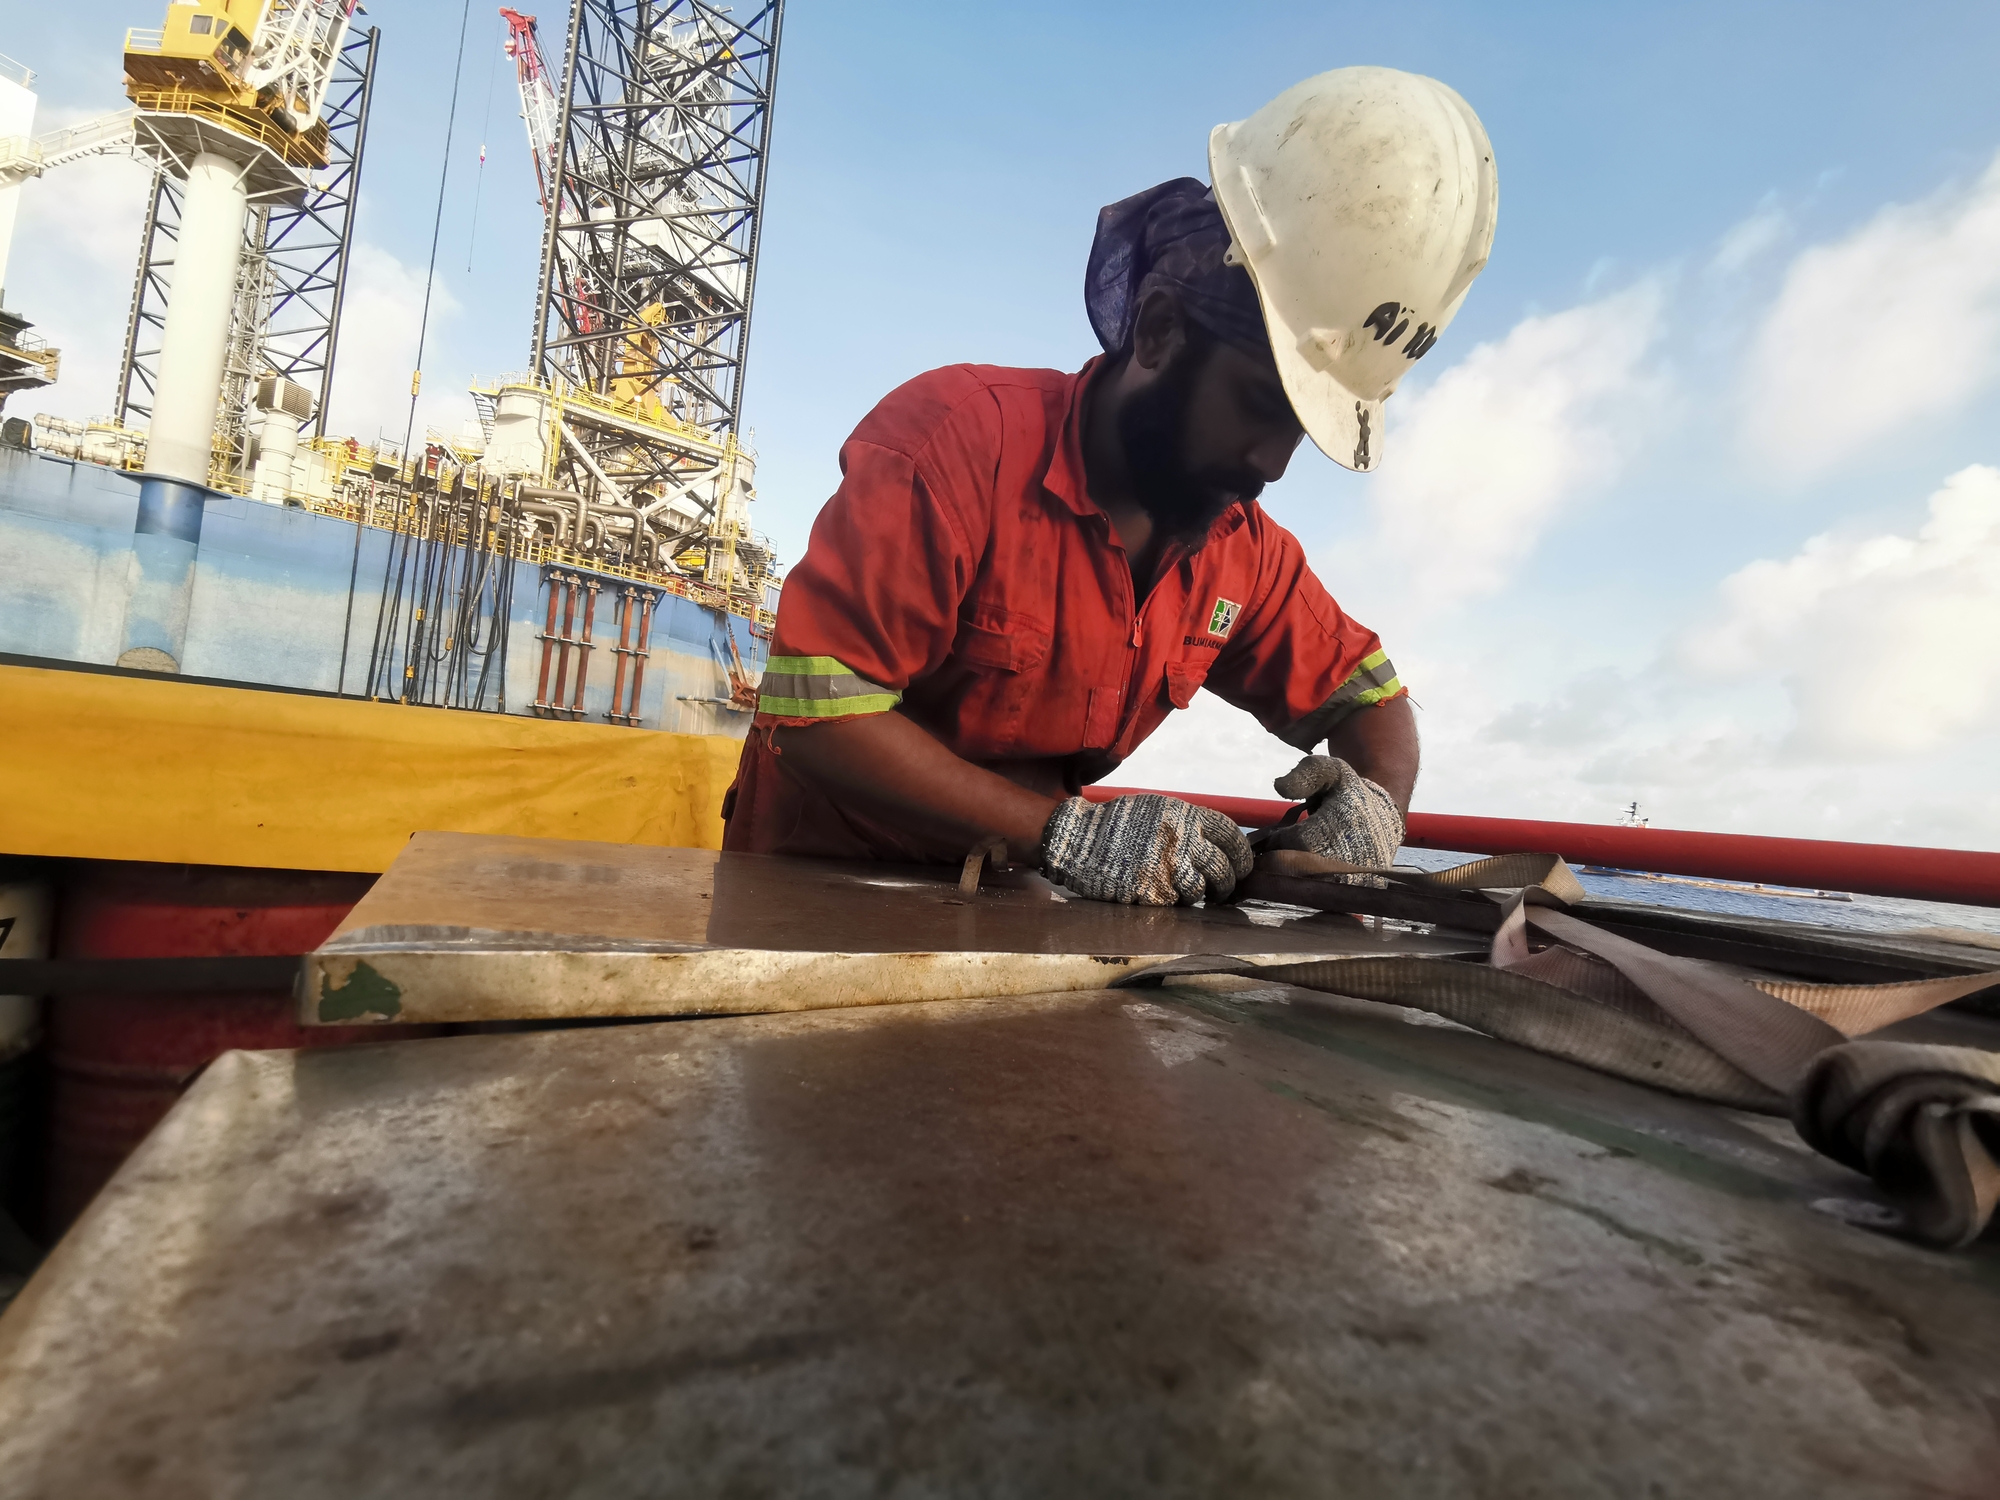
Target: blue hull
point(272, 604)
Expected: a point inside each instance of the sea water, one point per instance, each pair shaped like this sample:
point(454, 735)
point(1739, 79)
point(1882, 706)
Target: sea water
point(1857, 914)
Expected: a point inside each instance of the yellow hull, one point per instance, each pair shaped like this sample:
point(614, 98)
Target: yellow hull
point(98, 766)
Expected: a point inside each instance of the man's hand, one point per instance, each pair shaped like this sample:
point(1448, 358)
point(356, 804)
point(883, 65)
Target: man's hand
point(1146, 850)
point(1350, 817)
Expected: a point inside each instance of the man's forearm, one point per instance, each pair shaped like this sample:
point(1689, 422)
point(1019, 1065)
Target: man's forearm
point(891, 769)
point(1381, 743)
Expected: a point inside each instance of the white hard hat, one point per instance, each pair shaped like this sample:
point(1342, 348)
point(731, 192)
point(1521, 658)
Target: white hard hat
point(1363, 203)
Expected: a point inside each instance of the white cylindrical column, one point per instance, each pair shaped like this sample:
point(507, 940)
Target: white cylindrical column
point(281, 405)
point(277, 446)
point(196, 337)
point(519, 447)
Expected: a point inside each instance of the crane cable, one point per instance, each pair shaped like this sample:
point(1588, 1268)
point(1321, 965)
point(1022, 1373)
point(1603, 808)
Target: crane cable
point(479, 182)
point(437, 226)
point(398, 561)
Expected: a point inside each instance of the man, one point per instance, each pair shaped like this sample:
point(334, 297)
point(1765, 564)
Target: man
point(1024, 571)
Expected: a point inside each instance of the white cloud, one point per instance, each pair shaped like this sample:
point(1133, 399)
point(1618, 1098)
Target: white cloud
point(1886, 645)
point(1480, 462)
point(1897, 323)
point(1850, 690)
point(378, 350)
point(1748, 240)
point(75, 253)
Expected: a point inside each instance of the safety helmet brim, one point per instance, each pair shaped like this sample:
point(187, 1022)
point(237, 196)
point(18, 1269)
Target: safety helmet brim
point(1362, 202)
point(1345, 427)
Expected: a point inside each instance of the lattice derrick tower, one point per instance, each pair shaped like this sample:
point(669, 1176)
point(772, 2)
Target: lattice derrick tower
point(650, 246)
point(293, 278)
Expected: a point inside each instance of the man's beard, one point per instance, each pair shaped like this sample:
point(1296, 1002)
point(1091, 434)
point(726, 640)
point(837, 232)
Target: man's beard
point(1183, 502)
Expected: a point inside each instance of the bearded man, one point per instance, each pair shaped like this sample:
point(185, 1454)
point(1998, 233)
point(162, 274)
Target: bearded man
point(1024, 572)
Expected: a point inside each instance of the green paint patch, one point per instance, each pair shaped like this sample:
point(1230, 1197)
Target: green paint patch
point(366, 993)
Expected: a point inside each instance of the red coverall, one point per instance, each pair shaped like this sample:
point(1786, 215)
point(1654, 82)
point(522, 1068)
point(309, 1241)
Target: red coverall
point(962, 573)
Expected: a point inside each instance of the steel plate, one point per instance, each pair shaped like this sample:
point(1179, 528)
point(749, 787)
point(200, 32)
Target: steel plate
point(1215, 1240)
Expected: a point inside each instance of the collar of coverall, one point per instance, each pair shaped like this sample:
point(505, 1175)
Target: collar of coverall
point(1065, 477)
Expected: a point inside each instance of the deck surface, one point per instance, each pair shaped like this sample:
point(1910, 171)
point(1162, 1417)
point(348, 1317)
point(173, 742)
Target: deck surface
point(1226, 1239)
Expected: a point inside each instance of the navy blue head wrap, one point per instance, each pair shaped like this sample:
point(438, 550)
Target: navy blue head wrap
point(1171, 235)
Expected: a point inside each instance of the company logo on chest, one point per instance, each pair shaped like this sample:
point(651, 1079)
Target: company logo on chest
point(1221, 620)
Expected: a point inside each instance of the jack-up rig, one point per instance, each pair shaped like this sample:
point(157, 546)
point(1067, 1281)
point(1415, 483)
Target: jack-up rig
point(613, 465)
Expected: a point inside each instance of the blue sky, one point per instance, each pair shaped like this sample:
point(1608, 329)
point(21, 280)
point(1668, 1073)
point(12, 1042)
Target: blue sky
point(1696, 503)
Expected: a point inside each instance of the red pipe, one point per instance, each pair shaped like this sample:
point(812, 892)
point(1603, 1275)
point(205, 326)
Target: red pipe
point(1961, 875)
point(569, 586)
point(548, 651)
point(639, 657)
point(1250, 812)
point(626, 605)
point(583, 649)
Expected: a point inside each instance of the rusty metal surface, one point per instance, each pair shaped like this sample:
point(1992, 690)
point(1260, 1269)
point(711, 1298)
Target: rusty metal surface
point(1198, 1241)
point(470, 927)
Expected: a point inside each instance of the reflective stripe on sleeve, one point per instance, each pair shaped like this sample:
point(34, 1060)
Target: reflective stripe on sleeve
point(1374, 681)
point(1371, 682)
point(819, 687)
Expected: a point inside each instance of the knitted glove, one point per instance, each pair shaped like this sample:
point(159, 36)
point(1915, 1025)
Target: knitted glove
point(1351, 818)
point(1146, 850)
